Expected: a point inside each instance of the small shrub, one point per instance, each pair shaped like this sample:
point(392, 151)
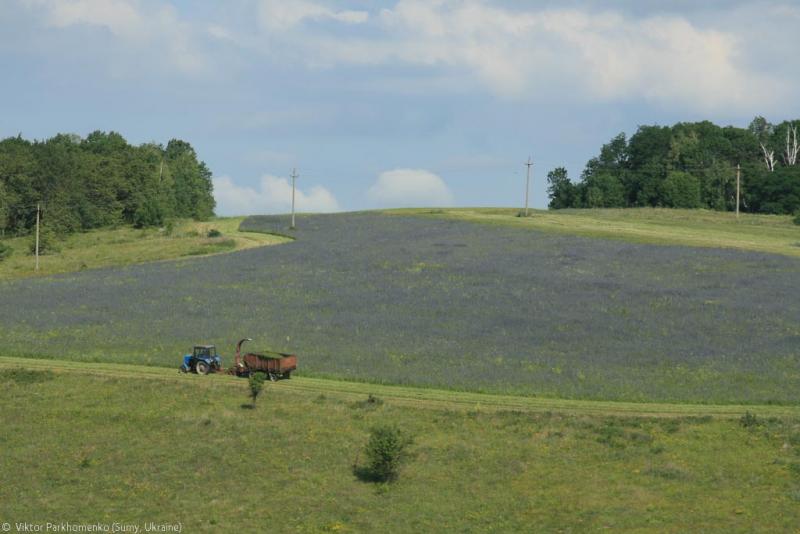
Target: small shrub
point(256, 384)
point(796, 219)
point(5, 251)
point(386, 451)
point(47, 243)
point(214, 233)
point(370, 402)
point(749, 420)
point(26, 376)
point(670, 426)
point(169, 228)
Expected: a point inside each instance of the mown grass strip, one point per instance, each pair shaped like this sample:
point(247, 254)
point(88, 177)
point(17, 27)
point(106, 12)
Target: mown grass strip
point(117, 247)
point(695, 228)
point(418, 397)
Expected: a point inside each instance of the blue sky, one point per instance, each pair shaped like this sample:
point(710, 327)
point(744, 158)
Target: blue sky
point(398, 103)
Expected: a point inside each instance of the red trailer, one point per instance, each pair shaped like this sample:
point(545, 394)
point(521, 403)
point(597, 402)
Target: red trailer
point(274, 364)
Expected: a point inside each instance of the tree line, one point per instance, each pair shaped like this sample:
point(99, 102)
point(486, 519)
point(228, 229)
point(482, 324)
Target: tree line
point(98, 181)
point(689, 165)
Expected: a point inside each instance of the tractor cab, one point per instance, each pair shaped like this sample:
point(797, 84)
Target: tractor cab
point(202, 360)
point(205, 351)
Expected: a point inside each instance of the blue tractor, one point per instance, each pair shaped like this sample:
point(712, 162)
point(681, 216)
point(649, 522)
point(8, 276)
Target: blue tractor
point(202, 360)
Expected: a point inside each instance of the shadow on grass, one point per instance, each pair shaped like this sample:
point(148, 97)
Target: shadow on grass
point(247, 406)
point(365, 474)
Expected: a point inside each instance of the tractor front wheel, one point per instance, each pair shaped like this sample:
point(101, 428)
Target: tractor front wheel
point(201, 368)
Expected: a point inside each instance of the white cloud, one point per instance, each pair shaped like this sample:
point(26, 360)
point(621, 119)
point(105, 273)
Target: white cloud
point(599, 55)
point(153, 29)
point(410, 188)
point(282, 15)
point(272, 195)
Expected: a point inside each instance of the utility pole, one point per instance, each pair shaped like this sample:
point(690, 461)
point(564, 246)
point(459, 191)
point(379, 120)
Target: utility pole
point(294, 178)
point(528, 164)
point(37, 236)
point(738, 181)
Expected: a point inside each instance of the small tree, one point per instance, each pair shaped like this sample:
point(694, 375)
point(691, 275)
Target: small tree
point(256, 383)
point(560, 189)
point(47, 242)
point(386, 451)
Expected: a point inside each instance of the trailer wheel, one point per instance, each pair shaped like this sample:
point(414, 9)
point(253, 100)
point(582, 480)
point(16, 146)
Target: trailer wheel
point(201, 368)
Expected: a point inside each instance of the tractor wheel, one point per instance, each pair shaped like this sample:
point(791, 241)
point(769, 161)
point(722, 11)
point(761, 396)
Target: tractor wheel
point(201, 368)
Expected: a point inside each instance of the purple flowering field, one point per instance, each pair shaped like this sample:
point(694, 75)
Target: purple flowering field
point(452, 304)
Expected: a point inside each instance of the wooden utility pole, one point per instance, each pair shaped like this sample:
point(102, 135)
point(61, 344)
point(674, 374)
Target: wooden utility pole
point(37, 235)
point(738, 181)
point(529, 164)
point(294, 178)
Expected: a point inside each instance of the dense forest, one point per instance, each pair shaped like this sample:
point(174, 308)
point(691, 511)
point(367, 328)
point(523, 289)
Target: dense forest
point(99, 181)
point(689, 165)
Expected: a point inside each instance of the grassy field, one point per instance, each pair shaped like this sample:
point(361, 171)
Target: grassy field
point(697, 228)
point(126, 246)
point(106, 443)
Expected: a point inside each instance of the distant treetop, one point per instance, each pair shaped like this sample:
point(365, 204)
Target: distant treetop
point(99, 180)
point(690, 165)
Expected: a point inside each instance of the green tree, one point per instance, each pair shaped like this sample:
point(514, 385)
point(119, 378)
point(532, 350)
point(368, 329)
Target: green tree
point(5, 208)
point(560, 189)
point(773, 192)
point(604, 190)
point(386, 451)
point(255, 383)
point(681, 190)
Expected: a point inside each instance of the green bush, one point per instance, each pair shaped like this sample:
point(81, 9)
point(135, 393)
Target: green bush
point(26, 376)
point(749, 420)
point(214, 233)
point(256, 383)
point(681, 190)
point(47, 242)
point(385, 452)
point(796, 219)
point(5, 251)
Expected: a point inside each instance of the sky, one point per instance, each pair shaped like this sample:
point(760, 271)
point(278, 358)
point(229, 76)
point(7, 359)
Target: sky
point(390, 104)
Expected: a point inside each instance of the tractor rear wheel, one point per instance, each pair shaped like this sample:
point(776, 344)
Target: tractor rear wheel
point(201, 368)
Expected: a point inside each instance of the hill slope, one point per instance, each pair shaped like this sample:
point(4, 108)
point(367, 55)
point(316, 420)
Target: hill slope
point(136, 445)
point(450, 304)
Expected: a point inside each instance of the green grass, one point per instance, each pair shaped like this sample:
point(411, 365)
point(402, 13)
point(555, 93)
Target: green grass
point(127, 245)
point(130, 444)
point(697, 228)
